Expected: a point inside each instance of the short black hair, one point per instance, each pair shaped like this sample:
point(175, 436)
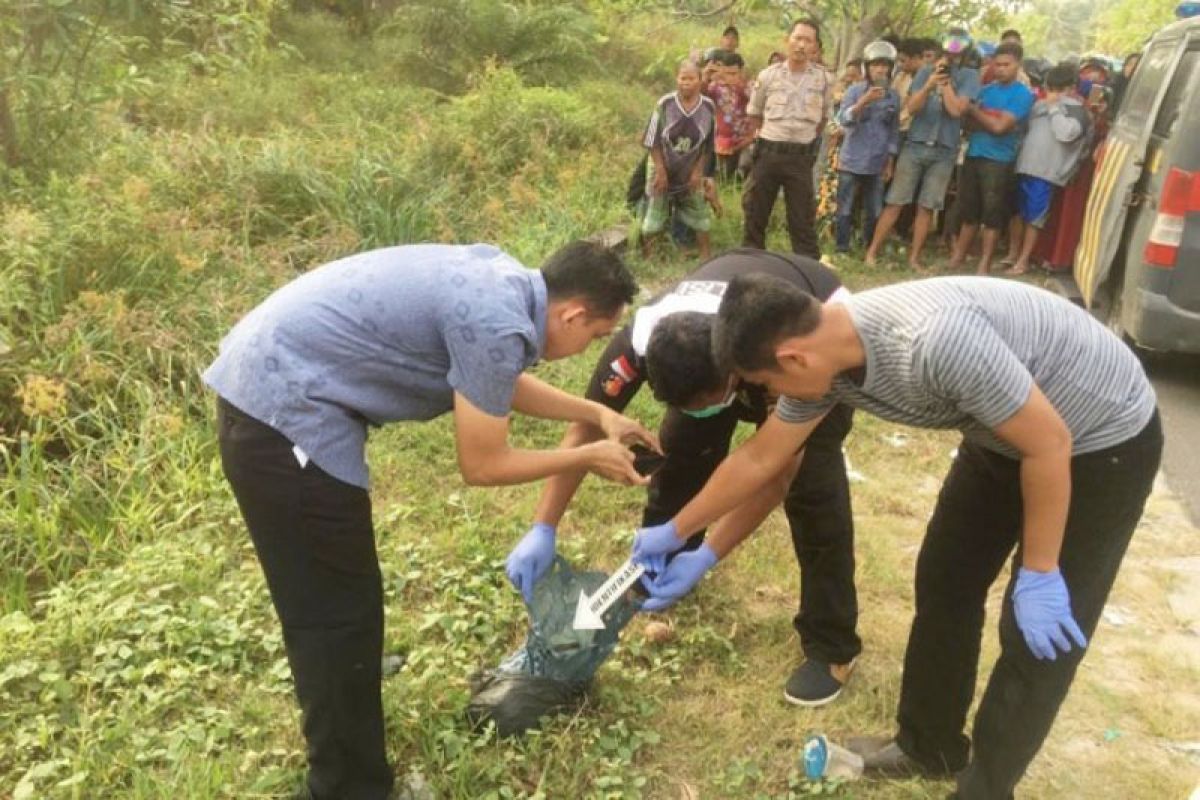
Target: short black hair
point(930, 44)
point(1035, 69)
point(1011, 49)
point(731, 29)
point(727, 58)
point(1011, 32)
point(1060, 76)
point(591, 272)
point(855, 62)
point(758, 312)
point(810, 23)
point(679, 358)
point(911, 47)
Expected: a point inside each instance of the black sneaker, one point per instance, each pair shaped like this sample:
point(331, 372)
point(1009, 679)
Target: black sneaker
point(815, 683)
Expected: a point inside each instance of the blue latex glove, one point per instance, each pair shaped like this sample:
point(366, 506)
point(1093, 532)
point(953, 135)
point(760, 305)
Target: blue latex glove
point(684, 572)
point(657, 540)
point(1043, 608)
point(530, 559)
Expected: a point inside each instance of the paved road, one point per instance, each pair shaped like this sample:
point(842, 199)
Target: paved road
point(1177, 381)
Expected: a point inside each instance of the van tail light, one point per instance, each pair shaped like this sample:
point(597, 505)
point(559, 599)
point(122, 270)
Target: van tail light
point(1180, 194)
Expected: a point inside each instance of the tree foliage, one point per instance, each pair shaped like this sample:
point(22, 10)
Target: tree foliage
point(59, 58)
point(850, 24)
point(1125, 25)
point(1056, 29)
point(455, 40)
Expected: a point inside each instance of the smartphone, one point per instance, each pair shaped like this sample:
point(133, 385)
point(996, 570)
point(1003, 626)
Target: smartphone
point(646, 461)
point(1095, 95)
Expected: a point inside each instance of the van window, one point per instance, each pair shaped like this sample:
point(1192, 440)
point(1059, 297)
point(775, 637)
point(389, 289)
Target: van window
point(1168, 112)
point(1151, 73)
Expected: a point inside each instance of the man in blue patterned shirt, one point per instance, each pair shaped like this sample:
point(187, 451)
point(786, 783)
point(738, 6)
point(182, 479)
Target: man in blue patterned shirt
point(402, 333)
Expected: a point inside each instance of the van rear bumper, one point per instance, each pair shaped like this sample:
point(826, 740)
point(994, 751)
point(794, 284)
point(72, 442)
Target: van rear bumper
point(1154, 322)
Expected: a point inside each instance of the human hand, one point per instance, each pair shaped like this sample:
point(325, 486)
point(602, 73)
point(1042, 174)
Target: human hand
point(660, 185)
point(620, 428)
point(656, 540)
point(1043, 609)
point(712, 198)
point(872, 95)
point(889, 169)
point(613, 461)
point(530, 559)
point(680, 576)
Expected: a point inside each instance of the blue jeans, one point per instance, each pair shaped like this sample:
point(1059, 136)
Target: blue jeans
point(872, 189)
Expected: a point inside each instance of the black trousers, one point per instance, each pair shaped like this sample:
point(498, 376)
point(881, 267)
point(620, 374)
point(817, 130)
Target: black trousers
point(972, 533)
point(789, 166)
point(817, 508)
point(314, 539)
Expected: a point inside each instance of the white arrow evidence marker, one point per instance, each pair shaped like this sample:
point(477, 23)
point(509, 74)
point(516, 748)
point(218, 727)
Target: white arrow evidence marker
point(589, 611)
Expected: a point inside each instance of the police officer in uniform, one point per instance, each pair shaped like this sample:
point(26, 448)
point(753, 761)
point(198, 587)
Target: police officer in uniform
point(788, 109)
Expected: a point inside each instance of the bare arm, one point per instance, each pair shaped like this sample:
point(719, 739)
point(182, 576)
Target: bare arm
point(955, 104)
point(660, 171)
point(559, 489)
point(916, 99)
point(736, 526)
point(1044, 441)
point(753, 124)
point(486, 459)
point(994, 123)
point(744, 472)
point(536, 398)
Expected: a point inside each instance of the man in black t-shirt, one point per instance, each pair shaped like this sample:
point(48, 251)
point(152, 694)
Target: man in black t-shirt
point(668, 346)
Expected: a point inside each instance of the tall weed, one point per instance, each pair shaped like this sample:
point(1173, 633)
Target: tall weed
point(119, 278)
point(454, 41)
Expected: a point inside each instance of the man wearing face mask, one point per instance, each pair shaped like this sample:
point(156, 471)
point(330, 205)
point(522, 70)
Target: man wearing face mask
point(1061, 442)
point(669, 345)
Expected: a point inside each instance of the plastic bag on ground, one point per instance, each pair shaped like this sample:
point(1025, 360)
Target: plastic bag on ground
point(551, 673)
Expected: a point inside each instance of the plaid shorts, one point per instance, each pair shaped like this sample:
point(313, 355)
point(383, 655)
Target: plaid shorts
point(689, 206)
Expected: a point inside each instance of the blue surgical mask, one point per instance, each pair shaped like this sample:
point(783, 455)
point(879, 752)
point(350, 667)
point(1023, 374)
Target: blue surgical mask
point(713, 410)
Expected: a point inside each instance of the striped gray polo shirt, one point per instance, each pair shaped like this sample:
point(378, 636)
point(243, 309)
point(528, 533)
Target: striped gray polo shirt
point(964, 352)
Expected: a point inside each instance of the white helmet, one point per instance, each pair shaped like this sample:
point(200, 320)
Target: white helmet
point(879, 51)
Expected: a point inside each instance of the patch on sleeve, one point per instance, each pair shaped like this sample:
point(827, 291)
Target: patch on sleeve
point(623, 373)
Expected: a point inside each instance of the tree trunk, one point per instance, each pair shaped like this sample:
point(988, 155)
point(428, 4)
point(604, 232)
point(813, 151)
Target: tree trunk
point(8, 132)
point(852, 37)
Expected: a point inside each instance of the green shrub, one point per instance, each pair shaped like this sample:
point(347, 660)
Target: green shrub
point(454, 40)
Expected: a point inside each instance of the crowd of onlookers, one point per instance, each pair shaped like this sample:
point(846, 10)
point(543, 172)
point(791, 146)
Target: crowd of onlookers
point(916, 137)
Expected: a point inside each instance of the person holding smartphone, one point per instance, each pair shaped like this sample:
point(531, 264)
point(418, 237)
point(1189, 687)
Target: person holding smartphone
point(938, 103)
point(870, 117)
point(668, 346)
